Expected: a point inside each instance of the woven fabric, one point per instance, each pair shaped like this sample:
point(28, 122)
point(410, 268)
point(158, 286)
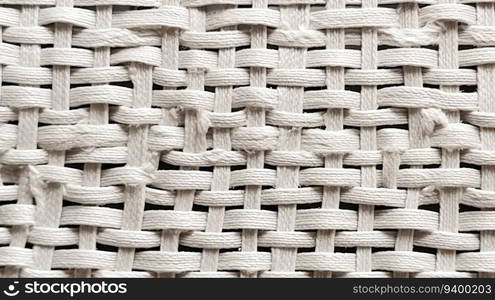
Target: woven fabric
point(247, 138)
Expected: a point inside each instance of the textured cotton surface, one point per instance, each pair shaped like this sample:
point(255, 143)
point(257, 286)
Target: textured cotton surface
point(247, 138)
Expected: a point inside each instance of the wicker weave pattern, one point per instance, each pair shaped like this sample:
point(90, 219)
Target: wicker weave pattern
point(247, 138)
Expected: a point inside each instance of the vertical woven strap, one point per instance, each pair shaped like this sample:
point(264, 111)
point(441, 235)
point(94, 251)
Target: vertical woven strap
point(449, 197)
point(486, 90)
point(138, 157)
point(369, 47)
point(170, 60)
point(255, 118)
point(27, 134)
point(195, 126)
point(221, 174)
point(334, 121)
point(290, 100)
point(98, 114)
point(417, 137)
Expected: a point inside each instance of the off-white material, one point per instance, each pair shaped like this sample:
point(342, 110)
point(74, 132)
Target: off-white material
point(247, 138)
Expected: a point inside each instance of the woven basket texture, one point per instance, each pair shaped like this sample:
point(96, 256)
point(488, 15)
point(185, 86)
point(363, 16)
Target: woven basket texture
point(247, 138)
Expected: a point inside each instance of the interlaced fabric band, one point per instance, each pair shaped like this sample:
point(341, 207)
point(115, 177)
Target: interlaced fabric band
point(247, 138)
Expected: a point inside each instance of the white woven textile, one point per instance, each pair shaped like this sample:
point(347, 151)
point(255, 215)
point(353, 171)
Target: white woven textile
point(247, 138)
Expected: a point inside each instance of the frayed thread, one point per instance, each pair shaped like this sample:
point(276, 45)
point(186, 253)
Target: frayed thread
point(432, 119)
